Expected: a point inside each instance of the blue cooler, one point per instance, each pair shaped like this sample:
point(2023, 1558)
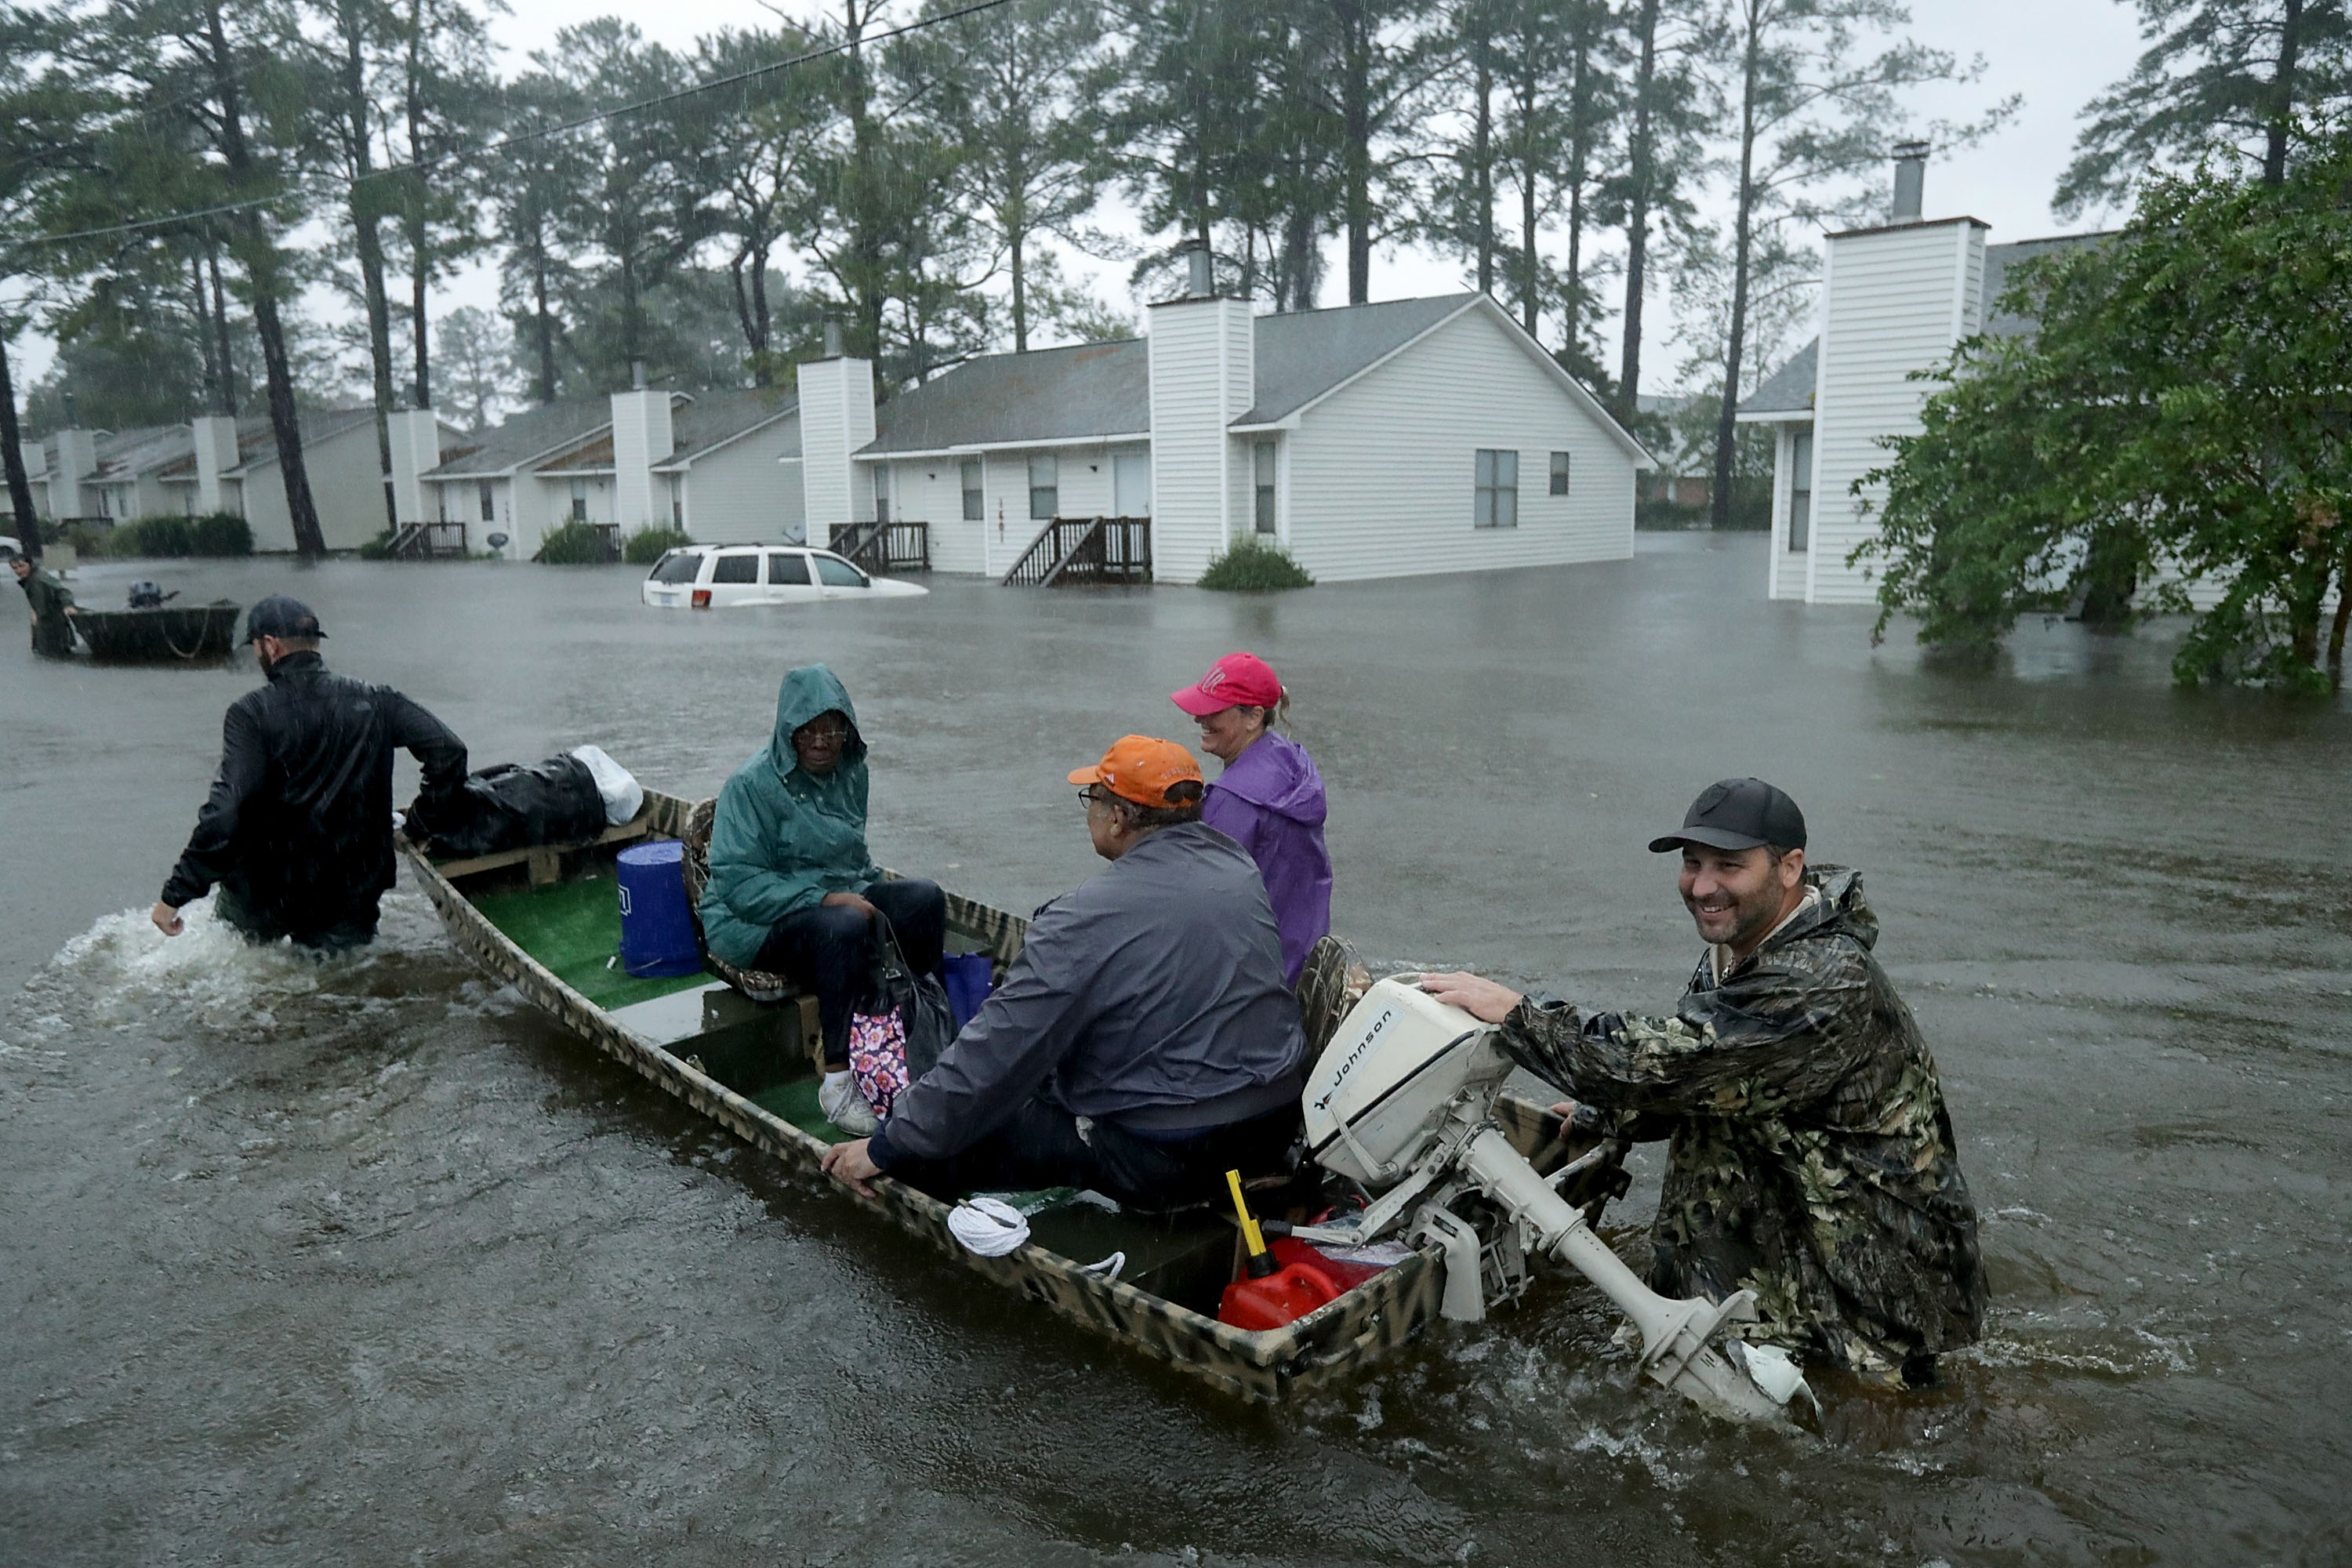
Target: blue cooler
point(656, 926)
point(971, 976)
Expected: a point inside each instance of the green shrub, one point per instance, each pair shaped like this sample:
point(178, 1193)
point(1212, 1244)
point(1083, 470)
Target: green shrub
point(90, 542)
point(163, 535)
point(575, 544)
point(377, 549)
point(220, 534)
point(1251, 567)
point(648, 545)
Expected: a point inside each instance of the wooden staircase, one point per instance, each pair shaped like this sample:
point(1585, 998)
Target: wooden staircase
point(1086, 549)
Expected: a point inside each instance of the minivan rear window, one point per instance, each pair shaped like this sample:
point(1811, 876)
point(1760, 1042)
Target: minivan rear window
point(744, 568)
point(679, 566)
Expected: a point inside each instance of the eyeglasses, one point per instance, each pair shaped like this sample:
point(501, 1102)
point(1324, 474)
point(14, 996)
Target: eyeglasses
point(1094, 796)
point(821, 734)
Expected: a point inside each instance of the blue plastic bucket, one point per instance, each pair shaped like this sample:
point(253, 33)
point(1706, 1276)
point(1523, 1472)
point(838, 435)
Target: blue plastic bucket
point(971, 976)
point(656, 926)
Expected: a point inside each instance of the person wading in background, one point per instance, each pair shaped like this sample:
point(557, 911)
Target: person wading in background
point(1269, 799)
point(52, 605)
point(297, 832)
point(1812, 1161)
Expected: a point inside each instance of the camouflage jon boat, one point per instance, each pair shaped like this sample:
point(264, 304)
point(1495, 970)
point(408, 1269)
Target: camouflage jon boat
point(186, 632)
point(547, 922)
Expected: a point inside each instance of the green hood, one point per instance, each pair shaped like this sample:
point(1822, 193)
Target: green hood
point(783, 838)
point(808, 691)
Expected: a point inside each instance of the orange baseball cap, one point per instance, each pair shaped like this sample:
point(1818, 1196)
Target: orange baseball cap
point(1140, 769)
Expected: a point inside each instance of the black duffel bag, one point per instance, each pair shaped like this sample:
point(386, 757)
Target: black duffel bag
point(513, 806)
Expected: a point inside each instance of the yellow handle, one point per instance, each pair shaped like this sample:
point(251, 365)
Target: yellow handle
point(1250, 1232)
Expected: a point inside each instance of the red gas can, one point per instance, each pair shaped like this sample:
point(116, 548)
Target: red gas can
point(1284, 1296)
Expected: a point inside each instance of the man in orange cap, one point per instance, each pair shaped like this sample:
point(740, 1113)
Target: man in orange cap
point(1143, 1043)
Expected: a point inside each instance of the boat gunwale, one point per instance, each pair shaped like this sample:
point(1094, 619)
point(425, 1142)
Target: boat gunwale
point(1271, 1363)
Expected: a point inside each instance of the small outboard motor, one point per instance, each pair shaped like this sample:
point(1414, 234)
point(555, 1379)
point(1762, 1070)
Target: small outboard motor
point(1401, 1100)
point(150, 596)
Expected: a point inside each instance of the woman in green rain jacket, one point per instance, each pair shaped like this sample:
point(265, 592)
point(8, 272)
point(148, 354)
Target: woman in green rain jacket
point(792, 889)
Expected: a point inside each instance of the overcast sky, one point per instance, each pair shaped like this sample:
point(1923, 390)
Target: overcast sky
point(2055, 52)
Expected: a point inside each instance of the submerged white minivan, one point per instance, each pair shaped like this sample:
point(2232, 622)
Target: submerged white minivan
point(721, 576)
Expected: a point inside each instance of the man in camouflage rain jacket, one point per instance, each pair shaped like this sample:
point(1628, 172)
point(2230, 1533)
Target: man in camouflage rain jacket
point(1811, 1159)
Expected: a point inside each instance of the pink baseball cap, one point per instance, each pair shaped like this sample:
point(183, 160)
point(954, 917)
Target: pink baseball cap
point(1236, 680)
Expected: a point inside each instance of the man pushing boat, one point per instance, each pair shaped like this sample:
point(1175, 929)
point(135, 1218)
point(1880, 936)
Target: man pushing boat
point(1812, 1158)
point(1141, 1045)
point(296, 832)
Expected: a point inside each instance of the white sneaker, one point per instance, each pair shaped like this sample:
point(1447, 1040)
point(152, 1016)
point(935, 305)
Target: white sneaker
point(845, 1106)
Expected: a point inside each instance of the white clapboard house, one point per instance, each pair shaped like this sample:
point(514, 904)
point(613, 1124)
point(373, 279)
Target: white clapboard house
point(721, 466)
point(1381, 440)
point(1895, 299)
point(219, 463)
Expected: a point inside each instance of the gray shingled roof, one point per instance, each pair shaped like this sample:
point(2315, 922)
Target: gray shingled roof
point(1047, 395)
point(129, 453)
point(526, 435)
point(1788, 390)
point(1306, 354)
point(1105, 389)
point(2000, 258)
point(718, 416)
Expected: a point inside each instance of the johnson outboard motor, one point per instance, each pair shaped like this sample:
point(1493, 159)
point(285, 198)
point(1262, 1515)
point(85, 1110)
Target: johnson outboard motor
point(150, 596)
point(1401, 1101)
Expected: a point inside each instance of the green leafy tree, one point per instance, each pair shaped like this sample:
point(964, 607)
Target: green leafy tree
point(756, 153)
point(2182, 408)
point(2235, 72)
point(1814, 102)
point(537, 171)
point(1021, 102)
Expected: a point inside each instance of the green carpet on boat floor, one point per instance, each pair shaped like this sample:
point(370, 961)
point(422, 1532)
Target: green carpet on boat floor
point(574, 929)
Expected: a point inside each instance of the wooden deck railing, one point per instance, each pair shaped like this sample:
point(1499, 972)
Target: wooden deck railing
point(883, 546)
point(424, 540)
point(1086, 549)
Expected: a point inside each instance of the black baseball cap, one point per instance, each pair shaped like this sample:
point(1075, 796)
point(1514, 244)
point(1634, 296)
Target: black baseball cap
point(281, 616)
point(1738, 813)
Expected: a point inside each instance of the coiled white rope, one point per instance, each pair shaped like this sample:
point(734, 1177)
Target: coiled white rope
point(988, 1227)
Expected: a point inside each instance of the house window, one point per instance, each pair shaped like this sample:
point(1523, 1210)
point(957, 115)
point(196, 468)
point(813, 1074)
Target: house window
point(1262, 469)
point(975, 501)
point(580, 500)
point(1560, 473)
point(882, 493)
point(677, 503)
point(1045, 486)
point(489, 500)
point(1498, 502)
point(1800, 491)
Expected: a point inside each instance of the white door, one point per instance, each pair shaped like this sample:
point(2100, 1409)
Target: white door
point(1130, 474)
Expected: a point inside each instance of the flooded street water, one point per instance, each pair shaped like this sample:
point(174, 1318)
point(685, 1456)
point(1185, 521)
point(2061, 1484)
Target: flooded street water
point(369, 1262)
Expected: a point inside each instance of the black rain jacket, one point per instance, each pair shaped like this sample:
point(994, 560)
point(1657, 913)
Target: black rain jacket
point(299, 822)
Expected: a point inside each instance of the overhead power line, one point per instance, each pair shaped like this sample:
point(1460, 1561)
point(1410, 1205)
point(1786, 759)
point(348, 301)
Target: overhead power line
point(541, 132)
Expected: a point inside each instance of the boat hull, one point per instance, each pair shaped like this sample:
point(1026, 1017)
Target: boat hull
point(1337, 1339)
point(182, 633)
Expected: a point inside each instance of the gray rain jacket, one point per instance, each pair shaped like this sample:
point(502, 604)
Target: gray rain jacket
point(1150, 997)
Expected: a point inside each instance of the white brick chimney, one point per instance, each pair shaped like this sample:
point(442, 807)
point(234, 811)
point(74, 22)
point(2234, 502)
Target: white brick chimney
point(216, 453)
point(1203, 352)
point(416, 446)
point(642, 436)
point(836, 419)
point(77, 461)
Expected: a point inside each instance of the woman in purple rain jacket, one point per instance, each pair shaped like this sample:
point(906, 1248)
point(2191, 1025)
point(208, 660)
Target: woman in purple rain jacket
point(1269, 797)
